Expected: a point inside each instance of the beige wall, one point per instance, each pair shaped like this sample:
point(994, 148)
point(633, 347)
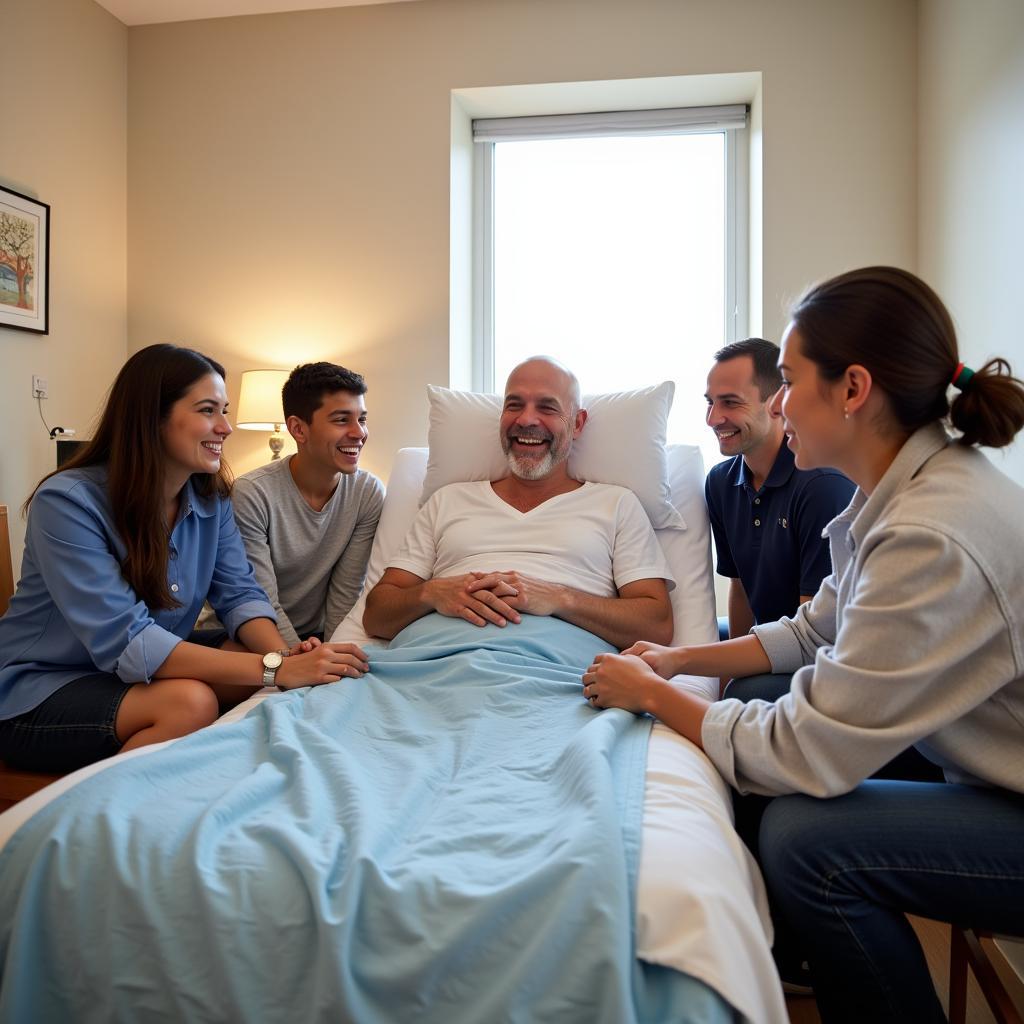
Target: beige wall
point(63, 141)
point(972, 176)
point(289, 174)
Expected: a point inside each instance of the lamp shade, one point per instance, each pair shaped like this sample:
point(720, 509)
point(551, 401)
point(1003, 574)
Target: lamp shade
point(259, 404)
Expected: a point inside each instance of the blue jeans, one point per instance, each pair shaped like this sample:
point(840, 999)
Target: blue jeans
point(844, 871)
point(770, 687)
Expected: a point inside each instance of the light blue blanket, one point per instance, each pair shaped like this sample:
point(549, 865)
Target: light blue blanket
point(453, 838)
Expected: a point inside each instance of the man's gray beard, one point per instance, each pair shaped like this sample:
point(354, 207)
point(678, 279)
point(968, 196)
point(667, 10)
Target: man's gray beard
point(528, 469)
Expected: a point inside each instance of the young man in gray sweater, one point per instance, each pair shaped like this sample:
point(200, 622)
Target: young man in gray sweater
point(308, 521)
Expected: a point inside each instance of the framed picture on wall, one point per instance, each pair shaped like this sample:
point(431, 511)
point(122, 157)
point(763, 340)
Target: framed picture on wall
point(24, 262)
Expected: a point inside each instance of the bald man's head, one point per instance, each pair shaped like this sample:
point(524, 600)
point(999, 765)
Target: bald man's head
point(541, 417)
point(557, 370)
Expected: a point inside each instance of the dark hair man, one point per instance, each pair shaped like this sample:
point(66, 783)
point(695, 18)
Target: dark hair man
point(308, 521)
point(767, 516)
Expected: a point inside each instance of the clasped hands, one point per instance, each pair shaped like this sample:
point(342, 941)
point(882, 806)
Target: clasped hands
point(493, 597)
point(629, 679)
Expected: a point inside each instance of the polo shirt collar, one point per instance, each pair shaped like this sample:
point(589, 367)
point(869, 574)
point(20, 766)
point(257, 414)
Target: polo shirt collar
point(778, 476)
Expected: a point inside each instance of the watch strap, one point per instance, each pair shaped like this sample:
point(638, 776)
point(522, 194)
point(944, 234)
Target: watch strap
point(270, 671)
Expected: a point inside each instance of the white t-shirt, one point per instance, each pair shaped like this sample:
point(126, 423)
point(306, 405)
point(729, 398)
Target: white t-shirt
point(596, 538)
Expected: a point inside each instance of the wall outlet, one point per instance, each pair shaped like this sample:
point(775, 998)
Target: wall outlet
point(40, 387)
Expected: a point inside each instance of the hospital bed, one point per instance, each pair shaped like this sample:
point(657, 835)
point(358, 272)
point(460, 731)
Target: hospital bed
point(122, 896)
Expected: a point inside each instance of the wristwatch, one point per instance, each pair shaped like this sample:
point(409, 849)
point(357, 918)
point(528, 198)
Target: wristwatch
point(271, 663)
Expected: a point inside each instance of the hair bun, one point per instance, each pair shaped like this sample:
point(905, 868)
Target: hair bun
point(990, 407)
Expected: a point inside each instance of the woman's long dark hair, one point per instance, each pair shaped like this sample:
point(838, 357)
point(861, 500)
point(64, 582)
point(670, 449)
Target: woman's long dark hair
point(892, 323)
point(129, 443)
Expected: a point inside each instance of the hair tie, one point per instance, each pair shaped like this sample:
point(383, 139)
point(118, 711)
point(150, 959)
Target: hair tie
point(962, 377)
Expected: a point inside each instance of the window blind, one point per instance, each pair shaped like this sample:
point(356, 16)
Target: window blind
point(604, 123)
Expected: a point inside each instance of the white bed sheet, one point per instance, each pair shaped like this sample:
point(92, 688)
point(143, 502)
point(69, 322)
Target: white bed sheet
point(701, 904)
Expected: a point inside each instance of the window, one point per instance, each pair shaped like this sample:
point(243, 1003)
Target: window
point(613, 242)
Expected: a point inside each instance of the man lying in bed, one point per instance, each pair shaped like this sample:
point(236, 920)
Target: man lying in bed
point(582, 552)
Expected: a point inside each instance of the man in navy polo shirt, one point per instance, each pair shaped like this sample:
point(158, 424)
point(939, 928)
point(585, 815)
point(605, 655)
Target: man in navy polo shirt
point(767, 516)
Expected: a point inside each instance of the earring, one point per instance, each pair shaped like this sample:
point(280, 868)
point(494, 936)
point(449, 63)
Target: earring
point(846, 413)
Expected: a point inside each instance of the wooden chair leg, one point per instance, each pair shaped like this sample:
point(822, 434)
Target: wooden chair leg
point(991, 984)
point(957, 976)
point(966, 949)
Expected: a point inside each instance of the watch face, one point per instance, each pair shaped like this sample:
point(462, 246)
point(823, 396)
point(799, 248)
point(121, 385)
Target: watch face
point(272, 660)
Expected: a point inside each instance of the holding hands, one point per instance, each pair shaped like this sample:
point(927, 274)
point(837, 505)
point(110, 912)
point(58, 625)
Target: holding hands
point(637, 680)
point(626, 680)
point(665, 661)
point(311, 663)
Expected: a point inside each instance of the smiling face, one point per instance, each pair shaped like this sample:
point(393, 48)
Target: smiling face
point(739, 416)
point(195, 430)
point(811, 408)
point(539, 419)
point(333, 439)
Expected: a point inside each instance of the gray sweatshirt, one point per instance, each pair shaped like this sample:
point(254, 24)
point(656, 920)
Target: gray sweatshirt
point(915, 639)
point(311, 564)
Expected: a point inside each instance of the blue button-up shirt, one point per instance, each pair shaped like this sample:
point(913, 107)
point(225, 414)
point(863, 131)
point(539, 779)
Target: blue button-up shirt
point(74, 613)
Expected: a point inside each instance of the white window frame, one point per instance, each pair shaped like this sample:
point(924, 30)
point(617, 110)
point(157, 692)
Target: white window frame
point(737, 227)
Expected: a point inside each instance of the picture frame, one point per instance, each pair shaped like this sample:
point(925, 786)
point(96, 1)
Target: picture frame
point(24, 262)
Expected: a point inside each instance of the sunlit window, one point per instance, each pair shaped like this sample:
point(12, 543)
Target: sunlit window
point(611, 254)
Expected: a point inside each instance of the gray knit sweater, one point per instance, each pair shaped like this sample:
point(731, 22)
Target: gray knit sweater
point(311, 564)
point(915, 639)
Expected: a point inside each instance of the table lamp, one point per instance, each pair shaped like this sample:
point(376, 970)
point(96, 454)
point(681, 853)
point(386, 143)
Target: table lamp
point(259, 405)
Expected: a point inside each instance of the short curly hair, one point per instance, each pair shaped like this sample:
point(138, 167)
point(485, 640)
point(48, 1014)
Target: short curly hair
point(304, 390)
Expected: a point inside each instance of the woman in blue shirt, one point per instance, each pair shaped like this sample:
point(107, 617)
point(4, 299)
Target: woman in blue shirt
point(123, 546)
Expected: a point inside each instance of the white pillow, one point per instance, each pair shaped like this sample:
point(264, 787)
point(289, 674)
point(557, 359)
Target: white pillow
point(623, 442)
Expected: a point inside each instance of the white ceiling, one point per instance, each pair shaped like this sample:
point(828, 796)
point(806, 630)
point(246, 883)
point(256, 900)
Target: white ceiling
point(149, 12)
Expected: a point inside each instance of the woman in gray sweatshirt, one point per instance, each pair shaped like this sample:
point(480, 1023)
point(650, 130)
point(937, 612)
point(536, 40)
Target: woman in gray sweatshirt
point(916, 639)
